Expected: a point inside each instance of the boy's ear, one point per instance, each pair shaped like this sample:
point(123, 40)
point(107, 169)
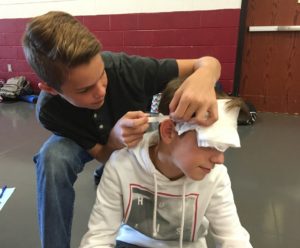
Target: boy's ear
point(167, 130)
point(45, 87)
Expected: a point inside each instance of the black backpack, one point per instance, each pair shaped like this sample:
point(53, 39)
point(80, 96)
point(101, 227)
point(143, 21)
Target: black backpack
point(248, 114)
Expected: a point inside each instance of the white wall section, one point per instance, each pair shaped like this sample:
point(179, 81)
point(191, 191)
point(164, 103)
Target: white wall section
point(29, 8)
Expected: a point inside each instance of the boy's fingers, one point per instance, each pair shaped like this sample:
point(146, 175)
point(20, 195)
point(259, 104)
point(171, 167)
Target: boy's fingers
point(134, 120)
point(213, 115)
point(133, 140)
point(180, 111)
point(175, 101)
point(137, 130)
point(135, 114)
point(206, 117)
point(187, 115)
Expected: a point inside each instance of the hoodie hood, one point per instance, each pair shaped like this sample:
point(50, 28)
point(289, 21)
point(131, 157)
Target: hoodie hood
point(141, 152)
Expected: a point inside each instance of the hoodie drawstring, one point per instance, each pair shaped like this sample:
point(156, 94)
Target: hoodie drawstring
point(182, 216)
point(155, 211)
point(155, 206)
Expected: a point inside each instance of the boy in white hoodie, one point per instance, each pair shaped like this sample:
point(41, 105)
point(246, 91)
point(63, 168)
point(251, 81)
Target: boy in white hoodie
point(170, 189)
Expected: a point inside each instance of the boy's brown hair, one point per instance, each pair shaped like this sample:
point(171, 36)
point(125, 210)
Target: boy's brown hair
point(174, 84)
point(55, 42)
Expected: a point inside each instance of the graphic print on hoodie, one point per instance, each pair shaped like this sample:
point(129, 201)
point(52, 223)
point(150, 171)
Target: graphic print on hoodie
point(140, 211)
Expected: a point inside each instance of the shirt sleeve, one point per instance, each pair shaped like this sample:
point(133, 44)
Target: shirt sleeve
point(225, 225)
point(107, 213)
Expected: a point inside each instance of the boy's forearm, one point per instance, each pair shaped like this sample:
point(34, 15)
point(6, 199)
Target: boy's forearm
point(101, 152)
point(208, 65)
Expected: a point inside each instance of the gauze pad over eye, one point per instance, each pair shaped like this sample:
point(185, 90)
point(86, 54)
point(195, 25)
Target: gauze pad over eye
point(221, 134)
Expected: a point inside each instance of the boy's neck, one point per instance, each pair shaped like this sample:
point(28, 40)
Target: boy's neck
point(163, 164)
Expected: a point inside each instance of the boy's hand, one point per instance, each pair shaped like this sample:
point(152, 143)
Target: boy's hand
point(195, 101)
point(129, 130)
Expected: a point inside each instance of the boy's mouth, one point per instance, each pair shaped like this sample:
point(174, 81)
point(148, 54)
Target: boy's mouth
point(206, 170)
point(99, 102)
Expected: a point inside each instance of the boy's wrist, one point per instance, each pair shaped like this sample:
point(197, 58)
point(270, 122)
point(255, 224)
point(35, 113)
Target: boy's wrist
point(210, 66)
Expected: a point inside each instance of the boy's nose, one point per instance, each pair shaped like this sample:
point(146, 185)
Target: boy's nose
point(217, 157)
point(100, 91)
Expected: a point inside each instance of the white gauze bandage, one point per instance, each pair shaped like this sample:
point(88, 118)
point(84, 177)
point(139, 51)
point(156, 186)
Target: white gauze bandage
point(221, 134)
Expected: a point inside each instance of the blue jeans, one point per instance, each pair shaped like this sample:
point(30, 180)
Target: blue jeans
point(57, 165)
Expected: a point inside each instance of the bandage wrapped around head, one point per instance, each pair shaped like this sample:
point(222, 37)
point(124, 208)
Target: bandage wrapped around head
point(222, 134)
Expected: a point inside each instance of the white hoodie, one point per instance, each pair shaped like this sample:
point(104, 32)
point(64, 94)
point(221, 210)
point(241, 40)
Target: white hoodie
point(137, 204)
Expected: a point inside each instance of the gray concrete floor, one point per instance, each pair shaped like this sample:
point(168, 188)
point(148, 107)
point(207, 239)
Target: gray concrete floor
point(265, 176)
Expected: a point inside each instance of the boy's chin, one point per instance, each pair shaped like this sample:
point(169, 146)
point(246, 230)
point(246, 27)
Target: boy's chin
point(94, 106)
point(198, 177)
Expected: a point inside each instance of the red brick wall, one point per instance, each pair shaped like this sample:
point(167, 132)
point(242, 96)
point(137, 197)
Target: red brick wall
point(176, 34)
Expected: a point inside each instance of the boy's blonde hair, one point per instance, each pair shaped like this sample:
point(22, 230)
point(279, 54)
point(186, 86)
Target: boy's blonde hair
point(55, 42)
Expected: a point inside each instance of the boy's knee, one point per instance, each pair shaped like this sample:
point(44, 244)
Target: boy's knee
point(58, 154)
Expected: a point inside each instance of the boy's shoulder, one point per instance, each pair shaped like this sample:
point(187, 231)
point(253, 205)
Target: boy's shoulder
point(113, 60)
point(120, 156)
point(48, 103)
point(117, 154)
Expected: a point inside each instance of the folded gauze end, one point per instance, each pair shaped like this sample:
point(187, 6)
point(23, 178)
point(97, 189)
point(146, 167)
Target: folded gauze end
point(221, 134)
